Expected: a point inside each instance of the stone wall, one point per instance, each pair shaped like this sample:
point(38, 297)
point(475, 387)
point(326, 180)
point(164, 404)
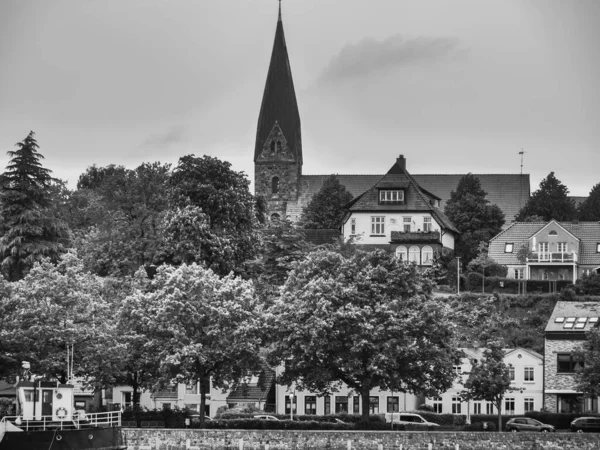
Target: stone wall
point(178, 439)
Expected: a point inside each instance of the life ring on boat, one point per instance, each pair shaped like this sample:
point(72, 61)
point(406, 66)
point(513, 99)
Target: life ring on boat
point(58, 437)
point(61, 413)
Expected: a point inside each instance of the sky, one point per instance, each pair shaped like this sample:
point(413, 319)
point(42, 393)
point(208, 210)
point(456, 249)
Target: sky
point(455, 86)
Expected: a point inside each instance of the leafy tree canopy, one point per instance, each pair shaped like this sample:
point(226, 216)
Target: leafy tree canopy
point(549, 202)
point(589, 209)
point(325, 210)
point(489, 379)
point(31, 228)
point(474, 217)
point(199, 325)
point(367, 320)
point(588, 376)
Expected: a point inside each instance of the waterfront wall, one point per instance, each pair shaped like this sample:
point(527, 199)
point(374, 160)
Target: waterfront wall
point(181, 439)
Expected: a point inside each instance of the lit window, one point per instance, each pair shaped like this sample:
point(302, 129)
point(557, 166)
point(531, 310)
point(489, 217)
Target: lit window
point(377, 225)
point(407, 222)
point(528, 375)
point(353, 226)
point(402, 253)
point(509, 406)
point(427, 255)
point(528, 404)
point(426, 224)
point(508, 247)
point(414, 255)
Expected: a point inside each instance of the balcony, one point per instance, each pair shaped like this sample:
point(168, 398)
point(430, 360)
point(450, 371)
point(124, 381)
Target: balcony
point(415, 236)
point(552, 258)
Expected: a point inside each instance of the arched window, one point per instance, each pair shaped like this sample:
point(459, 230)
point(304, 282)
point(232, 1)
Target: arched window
point(272, 146)
point(401, 253)
point(278, 146)
point(427, 255)
point(275, 185)
point(414, 255)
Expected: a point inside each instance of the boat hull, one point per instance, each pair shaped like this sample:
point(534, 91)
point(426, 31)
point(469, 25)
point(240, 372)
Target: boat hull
point(109, 438)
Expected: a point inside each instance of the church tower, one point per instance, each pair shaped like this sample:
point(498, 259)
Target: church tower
point(278, 149)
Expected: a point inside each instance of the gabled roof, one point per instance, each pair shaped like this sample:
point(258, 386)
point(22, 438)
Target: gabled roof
point(574, 310)
point(415, 199)
point(279, 99)
point(519, 233)
point(554, 222)
point(254, 392)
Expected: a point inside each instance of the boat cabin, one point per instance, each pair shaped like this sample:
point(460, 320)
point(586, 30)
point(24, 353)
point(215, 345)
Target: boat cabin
point(39, 400)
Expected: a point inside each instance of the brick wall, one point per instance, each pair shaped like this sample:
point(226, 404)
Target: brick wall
point(177, 439)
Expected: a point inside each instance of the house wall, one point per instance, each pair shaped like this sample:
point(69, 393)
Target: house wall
point(556, 383)
point(523, 389)
point(393, 222)
point(562, 236)
point(406, 402)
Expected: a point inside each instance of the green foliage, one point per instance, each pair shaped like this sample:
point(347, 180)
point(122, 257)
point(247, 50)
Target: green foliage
point(230, 231)
point(589, 209)
point(549, 202)
point(31, 229)
point(325, 210)
point(588, 377)
point(199, 326)
point(473, 216)
point(362, 320)
point(489, 379)
point(588, 284)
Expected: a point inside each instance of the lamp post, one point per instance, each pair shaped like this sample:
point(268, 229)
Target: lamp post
point(458, 275)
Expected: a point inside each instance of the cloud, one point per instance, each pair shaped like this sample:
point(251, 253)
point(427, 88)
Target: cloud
point(370, 55)
point(173, 135)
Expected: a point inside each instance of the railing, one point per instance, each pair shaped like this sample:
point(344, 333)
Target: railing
point(553, 257)
point(87, 420)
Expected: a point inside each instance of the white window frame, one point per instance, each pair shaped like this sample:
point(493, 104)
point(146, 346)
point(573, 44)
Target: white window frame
point(519, 273)
point(407, 224)
point(391, 195)
point(456, 405)
point(378, 225)
point(561, 247)
point(528, 404)
point(427, 224)
point(511, 373)
point(544, 251)
point(427, 256)
point(353, 226)
point(414, 255)
point(529, 373)
point(509, 405)
point(438, 405)
point(509, 247)
point(402, 251)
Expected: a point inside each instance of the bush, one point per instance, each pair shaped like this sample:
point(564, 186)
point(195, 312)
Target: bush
point(425, 407)
point(481, 426)
point(588, 284)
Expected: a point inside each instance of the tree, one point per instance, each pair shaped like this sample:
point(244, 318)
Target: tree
point(366, 320)
point(474, 217)
point(31, 230)
point(120, 213)
point(52, 309)
point(589, 209)
point(224, 198)
point(200, 326)
point(325, 209)
point(549, 202)
point(489, 379)
point(588, 376)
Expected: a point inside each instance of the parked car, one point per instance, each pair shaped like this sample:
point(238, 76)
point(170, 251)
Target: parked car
point(265, 417)
point(408, 418)
point(582, 424)
point(528, 424)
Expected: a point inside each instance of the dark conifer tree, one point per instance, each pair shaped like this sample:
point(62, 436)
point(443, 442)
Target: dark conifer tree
point(31, 229)
point(549, 202)
point(589, 210)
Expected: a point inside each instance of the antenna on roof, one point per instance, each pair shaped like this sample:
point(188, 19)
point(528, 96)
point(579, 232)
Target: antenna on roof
point(521, 153)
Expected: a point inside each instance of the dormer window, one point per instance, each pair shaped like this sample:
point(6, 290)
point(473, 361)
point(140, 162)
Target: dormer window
point(391, 196)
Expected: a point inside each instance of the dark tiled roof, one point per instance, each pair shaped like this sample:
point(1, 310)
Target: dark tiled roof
point(252, 391)
point(573, 309)
point(577, 200)
point(279, 100)
point(519, 233)
point(318, 237)
point(509, 192)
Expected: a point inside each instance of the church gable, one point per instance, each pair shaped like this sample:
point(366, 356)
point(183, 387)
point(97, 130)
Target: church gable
point(275, 147)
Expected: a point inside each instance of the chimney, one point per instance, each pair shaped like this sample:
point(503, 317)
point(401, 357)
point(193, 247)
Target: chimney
point(401, 162)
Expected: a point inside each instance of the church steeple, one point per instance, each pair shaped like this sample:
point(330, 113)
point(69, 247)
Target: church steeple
point(278, 132)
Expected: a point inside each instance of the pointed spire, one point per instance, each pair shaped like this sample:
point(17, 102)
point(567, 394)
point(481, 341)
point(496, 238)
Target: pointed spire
point(279, 99)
